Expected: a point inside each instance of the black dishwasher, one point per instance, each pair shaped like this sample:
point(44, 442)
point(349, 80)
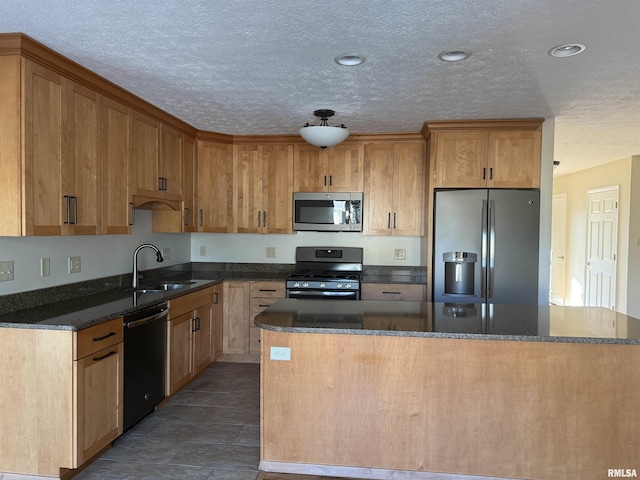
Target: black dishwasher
point(145, 350)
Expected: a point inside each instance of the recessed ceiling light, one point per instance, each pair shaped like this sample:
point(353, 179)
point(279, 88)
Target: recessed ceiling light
point(454, 55)
point(349, 59)
point(567, 50)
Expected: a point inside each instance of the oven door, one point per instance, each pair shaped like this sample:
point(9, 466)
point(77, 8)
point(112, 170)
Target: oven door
point(324, 294)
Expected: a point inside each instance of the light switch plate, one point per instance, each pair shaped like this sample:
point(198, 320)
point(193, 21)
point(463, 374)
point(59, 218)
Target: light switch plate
point(6, 270)
point(399, 254)
point(45, 267)
point(203, 251)
point(271, 252)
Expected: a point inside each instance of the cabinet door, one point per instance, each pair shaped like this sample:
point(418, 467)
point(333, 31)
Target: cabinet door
point(277, 192)
point(99, 378)
point(309, 169)
point(378, 197)
point(82, 160)
point(145, 154)
point(189, 184)
point(345, 165)
point(214, 173)
point(514, 159)
point(44, 114)
point(180, 368)
point(170, 168)
point(202, 353)
point(217, 315)
point(247, 189)
point(236, 318)
point(461, 159)
point(408, 189)
point(117, 209)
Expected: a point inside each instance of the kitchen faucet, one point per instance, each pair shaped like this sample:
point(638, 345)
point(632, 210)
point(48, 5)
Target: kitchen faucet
point(159, 258)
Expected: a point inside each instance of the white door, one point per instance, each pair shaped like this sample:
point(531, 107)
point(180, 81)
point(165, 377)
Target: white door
point(558, 247)
point(602, 247)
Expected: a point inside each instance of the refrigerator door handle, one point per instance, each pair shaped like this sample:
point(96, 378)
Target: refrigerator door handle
point(484, 250)
point(491, 249)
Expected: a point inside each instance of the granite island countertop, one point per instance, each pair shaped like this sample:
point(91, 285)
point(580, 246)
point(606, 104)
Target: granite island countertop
point(539, 323)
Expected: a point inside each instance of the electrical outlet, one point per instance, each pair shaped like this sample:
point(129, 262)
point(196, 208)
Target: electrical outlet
point(45, 267)
point(400, 254)
point(6, 271)
point(203, 251)
point(74, 264)
point(280, 353)
point(271, 252)
point(166, 253)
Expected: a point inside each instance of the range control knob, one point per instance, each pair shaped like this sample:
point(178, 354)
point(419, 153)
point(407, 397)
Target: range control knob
point(348, 285)
point(322, 285)
point(296, 285)
point(305, 284)
point(339, 285)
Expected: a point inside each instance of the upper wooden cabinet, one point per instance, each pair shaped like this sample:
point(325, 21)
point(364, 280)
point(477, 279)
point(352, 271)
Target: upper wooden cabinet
point(117, 209)
point(394, 188)
point(50, 152)
point(492, 153)
point(214, 187)
point(262, 188)
point(334, 169)
point(189, 178)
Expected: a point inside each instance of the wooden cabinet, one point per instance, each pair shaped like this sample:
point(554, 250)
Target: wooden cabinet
point(335, 169)
point(189, 338)
point(214, 187)
point(262, 188)
point(117, 208)
point(262, 295)
point(486, 154)
point(394, 188)
point(156, 151)
point(189, 178)
point(54, 190)
point(242, 302)
point(99, 370)
point(235, 330)
point(393, 291)
point(217, 316)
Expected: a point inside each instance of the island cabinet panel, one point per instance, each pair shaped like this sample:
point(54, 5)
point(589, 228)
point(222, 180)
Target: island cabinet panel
point(543, 410)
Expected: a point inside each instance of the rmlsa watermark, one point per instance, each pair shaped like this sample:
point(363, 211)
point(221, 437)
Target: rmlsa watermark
point(622, 473)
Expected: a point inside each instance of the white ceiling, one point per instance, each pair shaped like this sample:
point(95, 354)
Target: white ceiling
point(251, 67)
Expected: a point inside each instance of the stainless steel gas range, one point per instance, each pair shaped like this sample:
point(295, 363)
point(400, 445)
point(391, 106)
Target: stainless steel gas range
point(326, 273)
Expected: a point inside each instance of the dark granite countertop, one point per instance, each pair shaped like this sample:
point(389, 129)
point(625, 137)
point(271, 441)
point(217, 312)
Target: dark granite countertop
point(539, 323)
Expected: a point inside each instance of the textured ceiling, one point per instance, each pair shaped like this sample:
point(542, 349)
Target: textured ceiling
point(248, 67)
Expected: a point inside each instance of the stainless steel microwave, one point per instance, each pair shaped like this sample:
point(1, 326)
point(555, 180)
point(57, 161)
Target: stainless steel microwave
point(327, 212)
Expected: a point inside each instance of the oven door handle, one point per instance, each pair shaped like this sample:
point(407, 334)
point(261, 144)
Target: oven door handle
point(322, 293)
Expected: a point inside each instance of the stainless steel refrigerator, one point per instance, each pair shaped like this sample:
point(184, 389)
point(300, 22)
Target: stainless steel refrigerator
point(486, 246)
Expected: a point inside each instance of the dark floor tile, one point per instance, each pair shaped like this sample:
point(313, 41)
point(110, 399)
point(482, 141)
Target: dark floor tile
point(110, 470)
point(249, 436)
point(219, 456)
point(180, 431)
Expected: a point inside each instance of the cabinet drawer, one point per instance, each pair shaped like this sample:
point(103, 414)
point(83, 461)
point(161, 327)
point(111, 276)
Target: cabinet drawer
point(392, 291)
point(189, 302)
point(95, 338)
point(267, 289)
point(260, 303)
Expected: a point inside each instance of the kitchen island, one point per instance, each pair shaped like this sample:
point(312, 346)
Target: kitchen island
point(405, 389)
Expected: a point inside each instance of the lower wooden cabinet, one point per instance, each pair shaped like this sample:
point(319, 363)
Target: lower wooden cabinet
point(190, 337)
point(98, 377)
point(393, 291)
point(242, 302)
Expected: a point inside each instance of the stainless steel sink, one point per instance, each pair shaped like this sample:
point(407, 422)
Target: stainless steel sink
point(164, 287)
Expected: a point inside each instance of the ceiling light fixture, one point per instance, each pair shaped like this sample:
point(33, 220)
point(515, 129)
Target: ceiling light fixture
point(324, 135)
point(454, 55)
point(567, 50)
point(350, 59)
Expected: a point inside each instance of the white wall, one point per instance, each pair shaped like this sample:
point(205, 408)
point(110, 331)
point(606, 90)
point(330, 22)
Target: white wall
point(101, 255)
point(546, 198)
point(251, 248)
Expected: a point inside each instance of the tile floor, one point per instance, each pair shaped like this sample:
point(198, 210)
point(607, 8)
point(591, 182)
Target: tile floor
point(210, 430)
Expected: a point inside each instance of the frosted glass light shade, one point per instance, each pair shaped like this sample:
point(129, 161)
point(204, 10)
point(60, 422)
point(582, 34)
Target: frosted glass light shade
point(324, 135)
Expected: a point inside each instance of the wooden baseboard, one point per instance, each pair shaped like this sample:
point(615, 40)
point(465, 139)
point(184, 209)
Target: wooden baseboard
point(359, 473)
